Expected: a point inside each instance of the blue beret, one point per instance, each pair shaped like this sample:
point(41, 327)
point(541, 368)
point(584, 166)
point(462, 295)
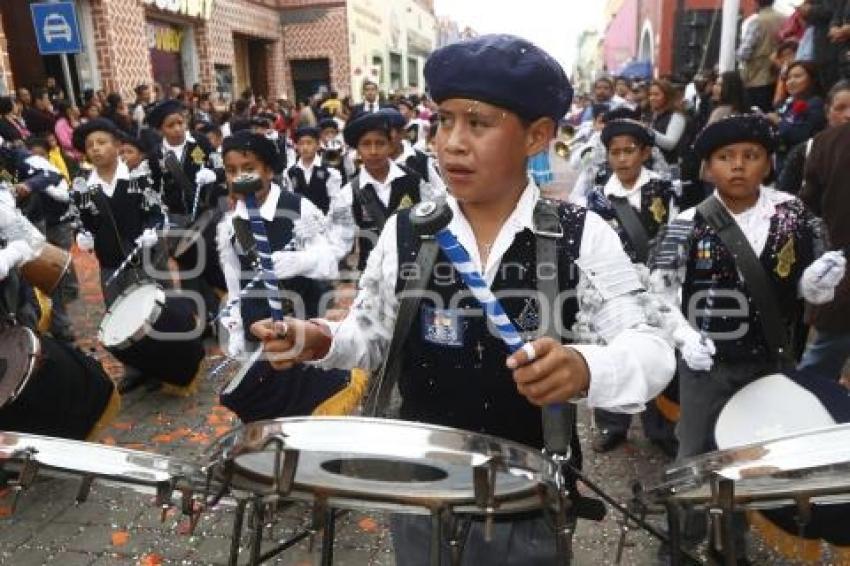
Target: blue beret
point(162, 111)
point(364, 123)
point(83, 131)
point(140, 143)
point(258, 144)
point(328, 123)
point(502, 70)
point(394, 117)
point(736, 129)
point(625, 127)
point(307, 131)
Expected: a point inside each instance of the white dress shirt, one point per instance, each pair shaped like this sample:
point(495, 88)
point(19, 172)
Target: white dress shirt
point(177, 149)
point(633, 366)
point(615, 188)
point(343, 228)
point(121, 173)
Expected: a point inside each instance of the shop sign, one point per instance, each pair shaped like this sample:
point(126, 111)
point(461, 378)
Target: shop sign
point(192, 8)
point(164, 38)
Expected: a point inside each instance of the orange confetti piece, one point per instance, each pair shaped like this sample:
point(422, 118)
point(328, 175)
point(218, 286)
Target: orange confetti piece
point(164, 438)
point(108, 440)
point(221, 430)
point(5, 511)
point(120, 538)
point(368, 524)
point(150, 560)
point(214, 419)
point(134, 446)
point(122, 426)
point(198, 438)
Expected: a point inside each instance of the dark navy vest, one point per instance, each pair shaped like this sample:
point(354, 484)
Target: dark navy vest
point(454, 370)
point(316, 190)
point(404, 193)
point(712, 275)
point(279, 230)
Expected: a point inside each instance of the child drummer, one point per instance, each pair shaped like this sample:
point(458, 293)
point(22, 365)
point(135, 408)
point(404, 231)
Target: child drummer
point(500, 98)
point(722, 352)
point(309, 176)
point(119, 212)
point(637, 203)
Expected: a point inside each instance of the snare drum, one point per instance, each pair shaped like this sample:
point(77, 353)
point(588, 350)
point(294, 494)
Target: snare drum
point(408, 467)
point(50, 387)
point(155, 334)
point(60, 456)
point(47, 269)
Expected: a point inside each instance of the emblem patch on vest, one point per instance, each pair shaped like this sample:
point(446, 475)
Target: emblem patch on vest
point(785, 259)
point(198, 156)
point(406, 202)
point(529, 318)
point(442, 327)
point(658, 210)
point(704, 255)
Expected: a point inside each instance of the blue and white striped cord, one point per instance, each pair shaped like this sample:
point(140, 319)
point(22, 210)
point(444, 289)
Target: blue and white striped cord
point(198, 189)
point(540, 168)
point(258, 228)
point(491, 305)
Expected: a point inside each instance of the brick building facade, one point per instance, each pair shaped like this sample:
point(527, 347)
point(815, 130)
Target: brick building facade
point(240, 42)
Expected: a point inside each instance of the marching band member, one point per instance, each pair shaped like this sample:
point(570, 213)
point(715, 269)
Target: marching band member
point(405, 155)
point(119, 212)
point(499, 98)
point(333, 151)
point(68, 394)
point(758, 274)
point(415, 128)
point(263, 124)
point(309, 177)
point(380, 188)
point(637, 203)
point(191, 185)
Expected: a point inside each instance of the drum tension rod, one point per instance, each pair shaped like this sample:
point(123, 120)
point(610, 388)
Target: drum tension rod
point(285, 465)
point(163, 499)
point(26, 475)
point(804, 513)
point(85, 488)
point(721, 513)
point(484, 485)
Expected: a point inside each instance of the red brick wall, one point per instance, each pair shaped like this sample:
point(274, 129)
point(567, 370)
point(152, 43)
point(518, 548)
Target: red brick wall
point(121, 41)
point(5, 64)
point(245, 18)
point(325, 37)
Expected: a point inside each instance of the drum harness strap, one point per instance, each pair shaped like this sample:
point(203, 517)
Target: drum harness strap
point(754, 276)
point(632, 226)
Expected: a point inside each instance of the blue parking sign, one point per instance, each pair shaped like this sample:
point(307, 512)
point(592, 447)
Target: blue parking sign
point(56, 27)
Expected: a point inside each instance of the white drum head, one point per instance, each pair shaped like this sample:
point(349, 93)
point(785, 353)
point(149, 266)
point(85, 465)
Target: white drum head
point(130, 313)
point(768, 408)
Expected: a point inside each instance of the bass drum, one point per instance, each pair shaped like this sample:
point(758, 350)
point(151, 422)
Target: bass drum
point(776, 406)
point(52, 388)
point(156, 334)
point(188, 254)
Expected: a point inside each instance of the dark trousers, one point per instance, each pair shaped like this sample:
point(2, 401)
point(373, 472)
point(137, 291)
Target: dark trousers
point(655, 426)
point(525, 542)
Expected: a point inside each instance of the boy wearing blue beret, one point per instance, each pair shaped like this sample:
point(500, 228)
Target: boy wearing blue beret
point(309, 177)
point(636, 202)
point(188, 188)
point(405, 155)
point(740, 261)
point(379, 189)
point(500, 98)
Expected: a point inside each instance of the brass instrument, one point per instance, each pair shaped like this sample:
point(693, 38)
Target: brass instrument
point(566, 141)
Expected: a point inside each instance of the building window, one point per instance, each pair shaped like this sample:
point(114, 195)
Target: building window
point(395, 71)
point(412, 71)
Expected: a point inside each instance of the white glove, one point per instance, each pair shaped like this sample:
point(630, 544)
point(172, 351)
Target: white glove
point(286, 264)
point(204, 176)
point(232, 321)
point(697, 350)
point(85, 241)
point(59, 193)
point(14, 254)
point(148, 238)
point(820, 279)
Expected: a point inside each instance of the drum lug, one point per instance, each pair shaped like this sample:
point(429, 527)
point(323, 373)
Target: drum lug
point(163, 498)
point(484, 485)
point(285, 466)
point(721, 514)
point(85, 488)
point(190, 507)
point(26, 475)
point(804, 513)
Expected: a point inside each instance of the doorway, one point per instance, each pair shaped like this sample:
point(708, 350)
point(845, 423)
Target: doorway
point(309, 76)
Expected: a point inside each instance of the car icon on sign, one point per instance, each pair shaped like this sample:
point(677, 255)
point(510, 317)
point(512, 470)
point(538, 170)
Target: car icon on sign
point(56, 27)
